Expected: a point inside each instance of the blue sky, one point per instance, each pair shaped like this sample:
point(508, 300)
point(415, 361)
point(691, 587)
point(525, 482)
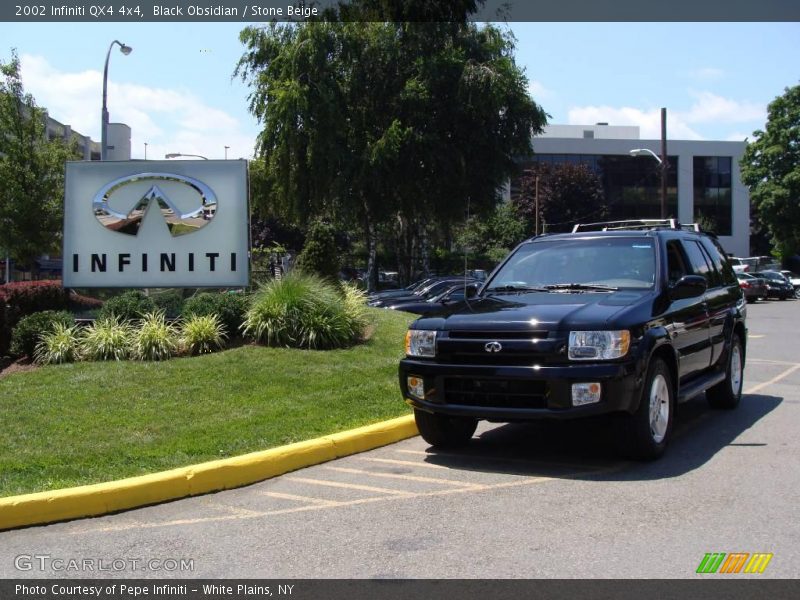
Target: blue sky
point(175, 89)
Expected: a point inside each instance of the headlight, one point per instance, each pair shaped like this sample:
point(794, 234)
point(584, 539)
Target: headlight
point(598, 345)
point(420, 342)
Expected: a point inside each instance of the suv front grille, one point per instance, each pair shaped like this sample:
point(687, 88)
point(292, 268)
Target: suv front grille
point(495, 393)
point(460, 334)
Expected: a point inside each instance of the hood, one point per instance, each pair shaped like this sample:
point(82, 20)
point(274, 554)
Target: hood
point(543, 311)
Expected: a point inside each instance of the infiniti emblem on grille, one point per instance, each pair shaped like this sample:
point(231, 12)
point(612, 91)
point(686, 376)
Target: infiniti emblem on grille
point(493, 347)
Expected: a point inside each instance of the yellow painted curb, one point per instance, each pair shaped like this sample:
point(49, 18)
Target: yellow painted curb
point(103, 498)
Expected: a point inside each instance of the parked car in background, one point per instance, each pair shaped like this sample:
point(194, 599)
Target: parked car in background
point(429, 290)
point(777, 285)
point(794, 279)
point(754, 288)
point(452, 296)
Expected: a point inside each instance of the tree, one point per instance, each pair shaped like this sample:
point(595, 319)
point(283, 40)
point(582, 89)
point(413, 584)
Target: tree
point(31, 172)
point(770, 167)
point(568, 194)
point(320, 255)
point(387, 122)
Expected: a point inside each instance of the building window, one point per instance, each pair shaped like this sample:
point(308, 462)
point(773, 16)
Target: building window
point(713, 202)
point(632, 185)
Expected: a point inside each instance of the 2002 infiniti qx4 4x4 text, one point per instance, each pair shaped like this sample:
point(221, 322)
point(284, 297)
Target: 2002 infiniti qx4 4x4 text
point(628, 318)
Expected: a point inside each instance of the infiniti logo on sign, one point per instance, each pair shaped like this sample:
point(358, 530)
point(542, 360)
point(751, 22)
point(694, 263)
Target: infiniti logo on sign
point(177, 222)
point(493, 347)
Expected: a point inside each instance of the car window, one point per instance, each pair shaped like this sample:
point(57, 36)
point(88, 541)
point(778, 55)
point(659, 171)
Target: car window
point(698, 261)
point(621, 262)
point(676, 262)
point(723, 266)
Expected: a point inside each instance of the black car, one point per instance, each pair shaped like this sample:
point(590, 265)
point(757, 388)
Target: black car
point(423, 293)
point(447, 299)
point(777, 284)
point(626, 318)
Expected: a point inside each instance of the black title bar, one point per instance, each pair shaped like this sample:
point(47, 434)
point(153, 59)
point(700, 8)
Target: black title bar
point(253, 11)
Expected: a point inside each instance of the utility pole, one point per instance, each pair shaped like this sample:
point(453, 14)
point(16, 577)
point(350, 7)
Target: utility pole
point(536, 201)
point(663, 163)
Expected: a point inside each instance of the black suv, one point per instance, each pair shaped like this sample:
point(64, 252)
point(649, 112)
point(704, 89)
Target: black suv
point(628, 317)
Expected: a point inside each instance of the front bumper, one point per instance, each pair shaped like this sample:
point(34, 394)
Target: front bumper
point(519, 393)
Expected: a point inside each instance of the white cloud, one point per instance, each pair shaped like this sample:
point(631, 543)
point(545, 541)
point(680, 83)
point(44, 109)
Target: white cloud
point(649, 121)
point(708, 111)
point(538, 90)
point(708, 108)
point(169, 120)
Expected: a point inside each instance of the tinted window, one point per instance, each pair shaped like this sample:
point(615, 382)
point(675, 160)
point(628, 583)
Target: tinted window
point(722, 264)
point(624, 262)
point(677, 265)
point(698, 261)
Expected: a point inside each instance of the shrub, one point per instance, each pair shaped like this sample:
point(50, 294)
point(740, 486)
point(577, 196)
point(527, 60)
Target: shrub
point(27, 297)
point(320, 255)
point(229, 307)
point(154, 338)
point(78, 302)
point(129, 306)
point(29, 330)
point(170, 301)
point(201, 334)
point(304, 311)
point(106, 339)
point(60, 345)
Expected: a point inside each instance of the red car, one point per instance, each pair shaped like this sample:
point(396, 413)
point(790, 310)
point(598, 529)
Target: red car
point(754, 288)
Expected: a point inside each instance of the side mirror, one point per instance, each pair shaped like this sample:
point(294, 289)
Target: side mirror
point(688, 286)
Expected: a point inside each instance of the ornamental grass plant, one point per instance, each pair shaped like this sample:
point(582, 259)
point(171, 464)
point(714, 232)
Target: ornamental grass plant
point(154, 338)
point(305, 311)
point(201, 334)
point(107, 339)
point(59, 345)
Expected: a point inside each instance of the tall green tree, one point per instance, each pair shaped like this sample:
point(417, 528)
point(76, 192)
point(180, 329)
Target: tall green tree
point(31, 172)
point(381, 123)
point(770, 167)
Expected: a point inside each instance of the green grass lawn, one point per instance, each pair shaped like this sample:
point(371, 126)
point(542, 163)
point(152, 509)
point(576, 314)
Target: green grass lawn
point(68, 425)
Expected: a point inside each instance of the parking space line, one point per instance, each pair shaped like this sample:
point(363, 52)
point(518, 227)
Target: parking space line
point(771, 362)
point(775, 379)
point(349, 486)
point(235, 510)
point(388, 498)
point(406, 463)
point(307, 499)
point(436, 480)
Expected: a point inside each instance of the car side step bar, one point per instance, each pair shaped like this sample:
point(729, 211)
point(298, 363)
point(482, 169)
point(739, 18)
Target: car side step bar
point(694, 388)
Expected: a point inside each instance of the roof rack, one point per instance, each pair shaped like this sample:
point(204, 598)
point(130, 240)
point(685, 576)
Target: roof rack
point(635, 224)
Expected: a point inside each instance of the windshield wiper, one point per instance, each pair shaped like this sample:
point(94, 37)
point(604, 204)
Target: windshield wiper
point(581, 286)
point(516, 289)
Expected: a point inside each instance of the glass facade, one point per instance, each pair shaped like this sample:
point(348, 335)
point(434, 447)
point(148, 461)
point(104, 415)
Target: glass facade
point(632, 185)
point(713, 204)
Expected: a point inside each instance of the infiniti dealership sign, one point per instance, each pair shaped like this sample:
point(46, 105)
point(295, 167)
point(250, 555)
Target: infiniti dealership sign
point(156, 224)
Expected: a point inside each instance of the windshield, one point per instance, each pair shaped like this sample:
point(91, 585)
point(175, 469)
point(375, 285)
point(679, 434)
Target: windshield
point(580, 263)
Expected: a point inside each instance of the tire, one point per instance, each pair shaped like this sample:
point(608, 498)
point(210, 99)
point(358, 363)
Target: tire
point(797, 293)
point(728, 393)
point(443, 431)
point(645, 433)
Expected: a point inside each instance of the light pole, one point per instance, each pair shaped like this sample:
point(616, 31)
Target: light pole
point(104, 124)
point(662, 161)
point(145, 150)
point(226, 152)
point(178, 154)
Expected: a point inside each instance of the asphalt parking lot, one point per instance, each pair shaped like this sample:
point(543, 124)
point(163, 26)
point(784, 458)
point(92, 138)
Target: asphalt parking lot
point(545, 500)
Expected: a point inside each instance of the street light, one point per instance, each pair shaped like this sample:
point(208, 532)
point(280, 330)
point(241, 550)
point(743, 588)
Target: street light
point(662, 161)
point(178, 154)
point(104, 125)
point(226, 152)
point(145, 150)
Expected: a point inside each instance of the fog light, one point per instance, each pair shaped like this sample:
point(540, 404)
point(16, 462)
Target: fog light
point(416, 387)
point(585, 393)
